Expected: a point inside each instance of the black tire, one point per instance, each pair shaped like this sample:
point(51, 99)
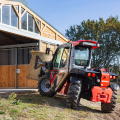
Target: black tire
point(109, 107)
point(73, 96)
point(44, 87)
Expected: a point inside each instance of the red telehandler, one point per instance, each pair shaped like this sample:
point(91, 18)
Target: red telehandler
point(70, 73)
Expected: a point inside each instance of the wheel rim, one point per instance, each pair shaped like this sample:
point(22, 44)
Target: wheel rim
point(44, 85)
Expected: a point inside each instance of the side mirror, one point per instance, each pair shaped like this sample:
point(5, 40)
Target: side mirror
point(57, 45)
point(47, 51)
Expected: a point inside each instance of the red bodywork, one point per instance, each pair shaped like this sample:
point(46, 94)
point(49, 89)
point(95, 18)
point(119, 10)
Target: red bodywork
point(64, 89)
point(105, 79)
point(54, 75)
point(90, 41)
point(101, 94)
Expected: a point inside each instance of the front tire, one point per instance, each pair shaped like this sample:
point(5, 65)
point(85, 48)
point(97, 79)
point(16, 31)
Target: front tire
point(44, 87)
point(109, 107)
point(73, 96)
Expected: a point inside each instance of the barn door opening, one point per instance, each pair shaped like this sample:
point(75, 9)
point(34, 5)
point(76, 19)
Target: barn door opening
point(7, 68)
point(23, 61)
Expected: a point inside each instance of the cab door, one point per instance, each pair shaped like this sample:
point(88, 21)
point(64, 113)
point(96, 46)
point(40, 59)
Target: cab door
point(59, 67)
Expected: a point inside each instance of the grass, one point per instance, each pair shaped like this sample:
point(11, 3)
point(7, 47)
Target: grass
point(32, 106)
point(118, 99)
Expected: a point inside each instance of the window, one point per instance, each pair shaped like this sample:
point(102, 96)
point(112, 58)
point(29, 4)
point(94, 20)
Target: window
point(81, 56)
point(62, 58)
point(7, 57)
point(5, 14)
point(65, 57)
point(9, 16)
point(14, 18)
point(24, 22)
point(30, 23)
point(24, 55)
point(57, 61)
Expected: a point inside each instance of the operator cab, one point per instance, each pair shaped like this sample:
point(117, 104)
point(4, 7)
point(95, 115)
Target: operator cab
point(81, 53)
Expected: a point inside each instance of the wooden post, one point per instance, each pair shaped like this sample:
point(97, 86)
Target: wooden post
point(16, 12)
point(37, 24)
point(16, 68)
point(41, 27)
point(19, 19)
point(55, 36)
point(39, 45)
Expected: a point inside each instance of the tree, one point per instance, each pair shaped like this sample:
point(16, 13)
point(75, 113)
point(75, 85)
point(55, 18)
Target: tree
point(106, 33)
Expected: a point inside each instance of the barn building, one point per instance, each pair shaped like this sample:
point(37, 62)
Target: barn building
point(22, 30)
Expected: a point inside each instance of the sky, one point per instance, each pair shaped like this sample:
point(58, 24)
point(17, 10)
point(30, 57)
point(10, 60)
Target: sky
point(61, 14)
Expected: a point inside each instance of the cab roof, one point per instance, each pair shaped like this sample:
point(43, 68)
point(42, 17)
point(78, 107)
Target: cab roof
point(93, 45)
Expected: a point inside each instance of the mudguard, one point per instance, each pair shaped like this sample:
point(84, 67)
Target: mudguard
point(74, 79)
point(114, 86)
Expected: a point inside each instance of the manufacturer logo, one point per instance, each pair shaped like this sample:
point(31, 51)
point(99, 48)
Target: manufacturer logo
point(104, 81)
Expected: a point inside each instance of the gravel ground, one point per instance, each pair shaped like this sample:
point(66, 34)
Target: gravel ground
point(95, 110)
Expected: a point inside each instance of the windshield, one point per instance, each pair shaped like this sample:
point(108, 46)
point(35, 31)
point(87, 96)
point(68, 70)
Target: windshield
point(81, 56)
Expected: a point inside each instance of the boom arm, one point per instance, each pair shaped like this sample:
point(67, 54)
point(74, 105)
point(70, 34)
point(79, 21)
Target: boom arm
point(39, 61)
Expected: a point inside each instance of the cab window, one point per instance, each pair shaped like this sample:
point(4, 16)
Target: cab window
point(62, 57)
point(81, 56)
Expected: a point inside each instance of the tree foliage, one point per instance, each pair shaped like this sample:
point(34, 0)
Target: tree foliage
point(106, 33)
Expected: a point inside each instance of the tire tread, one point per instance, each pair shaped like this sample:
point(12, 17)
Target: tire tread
point(73, 96)
point(109, 107)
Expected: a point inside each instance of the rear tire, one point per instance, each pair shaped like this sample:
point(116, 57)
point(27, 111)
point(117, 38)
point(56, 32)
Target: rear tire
point(44, 87)
point(73, 96)
point(109, 107)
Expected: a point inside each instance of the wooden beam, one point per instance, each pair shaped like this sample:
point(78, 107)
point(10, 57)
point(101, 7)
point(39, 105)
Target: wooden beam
point(41, 27)
point(9, 2)
point(23, 13)
point(1, 5)
point(37, 24)
point(15, 10)
point(44, 28)
point(19, 19)
point(56, 36)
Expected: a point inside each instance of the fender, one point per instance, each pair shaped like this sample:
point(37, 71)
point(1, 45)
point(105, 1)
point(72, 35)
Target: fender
point(114, 86)
point(74, 79)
